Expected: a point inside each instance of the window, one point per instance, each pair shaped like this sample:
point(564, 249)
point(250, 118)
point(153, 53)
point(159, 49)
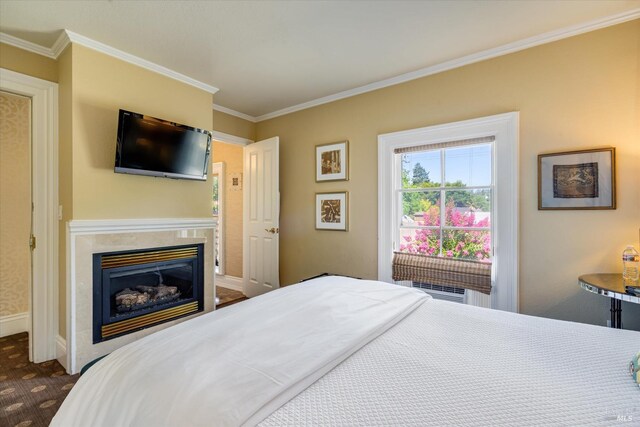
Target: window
point(451, 191)
point(444, 200)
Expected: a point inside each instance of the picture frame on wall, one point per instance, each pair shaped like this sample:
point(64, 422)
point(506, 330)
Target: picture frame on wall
point(332, 162)
point(582, 179)
point(332, 210)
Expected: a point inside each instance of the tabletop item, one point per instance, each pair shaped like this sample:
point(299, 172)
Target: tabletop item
point(630, 262)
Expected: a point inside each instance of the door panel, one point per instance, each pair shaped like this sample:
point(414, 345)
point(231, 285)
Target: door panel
point(261, 222)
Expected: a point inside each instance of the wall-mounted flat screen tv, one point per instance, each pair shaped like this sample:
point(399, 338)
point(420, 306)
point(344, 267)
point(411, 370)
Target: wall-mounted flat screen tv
point(154, 147)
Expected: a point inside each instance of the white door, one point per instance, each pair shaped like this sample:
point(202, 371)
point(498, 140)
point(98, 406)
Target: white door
point(261, 220)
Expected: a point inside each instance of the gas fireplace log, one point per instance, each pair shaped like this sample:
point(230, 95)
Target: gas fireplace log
point(165, 291)
point(151, 290)
point(158, 292)
point(128, 297)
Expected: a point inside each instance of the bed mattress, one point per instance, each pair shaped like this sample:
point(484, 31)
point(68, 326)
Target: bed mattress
point(453, 364)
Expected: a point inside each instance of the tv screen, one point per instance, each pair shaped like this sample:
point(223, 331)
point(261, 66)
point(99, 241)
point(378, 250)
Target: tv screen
point(154, 147)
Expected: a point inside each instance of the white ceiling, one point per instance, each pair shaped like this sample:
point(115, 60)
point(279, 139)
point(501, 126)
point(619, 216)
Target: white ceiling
point(265, 56)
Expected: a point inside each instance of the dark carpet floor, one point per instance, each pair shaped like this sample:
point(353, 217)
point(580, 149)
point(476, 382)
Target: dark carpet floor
point(228, 296)
point(30, 393)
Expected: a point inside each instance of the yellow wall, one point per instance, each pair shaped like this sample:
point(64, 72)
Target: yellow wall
point(101, 86)
point(15, 203)
point(576, 93)
point(233, 125)
point(25, 62)
point(231, 156)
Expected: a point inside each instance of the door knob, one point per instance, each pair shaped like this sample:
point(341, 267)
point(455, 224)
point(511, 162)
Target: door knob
point(272, 230)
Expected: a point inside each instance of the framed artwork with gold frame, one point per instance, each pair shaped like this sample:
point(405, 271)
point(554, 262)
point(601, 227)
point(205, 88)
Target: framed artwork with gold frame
point(332, 210)
point(332, 162)
point(582, 179)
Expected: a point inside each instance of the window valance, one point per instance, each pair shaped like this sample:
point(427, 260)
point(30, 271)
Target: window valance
point(468, 274)
point(449, 144)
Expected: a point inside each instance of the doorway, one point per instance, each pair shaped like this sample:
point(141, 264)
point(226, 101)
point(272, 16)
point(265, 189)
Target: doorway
point(15, 213)
point(226, 207)
point(42, 207)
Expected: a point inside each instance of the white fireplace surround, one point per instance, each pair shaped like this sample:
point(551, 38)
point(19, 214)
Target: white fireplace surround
point(86, 237)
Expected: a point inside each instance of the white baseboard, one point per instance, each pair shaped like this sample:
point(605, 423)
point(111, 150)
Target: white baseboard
point(229, 282)
point(61, 351)
point(14, 324)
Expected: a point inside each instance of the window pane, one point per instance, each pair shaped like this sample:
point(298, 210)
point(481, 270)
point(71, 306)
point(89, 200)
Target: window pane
point(419, 241)
point(468, 208)
point(468, 166)
point(467, 244)
point(421, 208)
point(421, 169)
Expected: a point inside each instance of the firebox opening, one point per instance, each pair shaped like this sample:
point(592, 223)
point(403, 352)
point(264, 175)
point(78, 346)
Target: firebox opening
point(147, 287)
point(134, 290)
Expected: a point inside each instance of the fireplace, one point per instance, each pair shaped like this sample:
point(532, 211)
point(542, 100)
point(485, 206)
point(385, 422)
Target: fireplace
point(133, 290)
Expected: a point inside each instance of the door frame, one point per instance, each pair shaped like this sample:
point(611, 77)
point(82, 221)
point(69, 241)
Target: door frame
point(219, 169)
point(43, 302)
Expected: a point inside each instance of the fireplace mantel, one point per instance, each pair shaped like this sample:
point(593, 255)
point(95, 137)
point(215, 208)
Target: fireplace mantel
point(86, 237)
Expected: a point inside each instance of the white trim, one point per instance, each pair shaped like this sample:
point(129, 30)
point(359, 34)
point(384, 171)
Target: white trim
point(234, 113)
point(26, 45)
point(71, 301)
point(230, 139)
point(505, 229)
point(61, 351)
point(14, 324)
point(219, 169)
point(43, 321)
point(60, 44)
point(465, 60)
point(102, 226)
point(229, 282)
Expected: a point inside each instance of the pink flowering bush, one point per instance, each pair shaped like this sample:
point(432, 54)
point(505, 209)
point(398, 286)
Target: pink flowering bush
point(469, 244)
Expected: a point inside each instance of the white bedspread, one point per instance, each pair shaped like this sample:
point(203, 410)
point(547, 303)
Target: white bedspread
point(238, 365)
point(451, 364)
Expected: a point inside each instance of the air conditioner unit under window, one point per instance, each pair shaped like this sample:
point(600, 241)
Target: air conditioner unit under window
point(447, 293)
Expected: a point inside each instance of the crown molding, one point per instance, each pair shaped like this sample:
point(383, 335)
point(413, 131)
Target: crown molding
point(67, 37)
point(132, 59)
point(234, 113)
point(28, 46)
point(523, 44)
point(61, 43)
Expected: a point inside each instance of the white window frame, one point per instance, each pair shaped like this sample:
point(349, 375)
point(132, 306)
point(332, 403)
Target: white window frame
point(505, 128)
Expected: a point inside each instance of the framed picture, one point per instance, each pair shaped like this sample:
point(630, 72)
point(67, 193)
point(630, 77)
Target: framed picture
point(332, 162)
point(584, 179)
point(235, 181)
point(332, 211)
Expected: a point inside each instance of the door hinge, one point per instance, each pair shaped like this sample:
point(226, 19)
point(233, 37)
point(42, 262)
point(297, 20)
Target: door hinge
point(32, 242)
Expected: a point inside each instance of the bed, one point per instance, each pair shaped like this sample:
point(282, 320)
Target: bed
point(347, 352)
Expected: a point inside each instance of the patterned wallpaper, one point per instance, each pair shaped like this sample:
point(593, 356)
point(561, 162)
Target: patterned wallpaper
point(15, 200)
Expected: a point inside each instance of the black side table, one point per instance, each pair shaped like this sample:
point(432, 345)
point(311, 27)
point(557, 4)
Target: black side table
point(612, 286)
